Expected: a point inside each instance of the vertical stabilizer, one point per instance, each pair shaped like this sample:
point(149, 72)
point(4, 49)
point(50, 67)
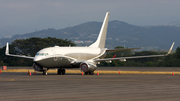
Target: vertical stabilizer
point(100, 42)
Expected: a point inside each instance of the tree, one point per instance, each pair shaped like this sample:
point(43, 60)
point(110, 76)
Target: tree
point(177, 54)
point(29, 47)
point(32, 45)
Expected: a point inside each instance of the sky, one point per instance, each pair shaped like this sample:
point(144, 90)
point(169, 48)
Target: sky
point(24, 16)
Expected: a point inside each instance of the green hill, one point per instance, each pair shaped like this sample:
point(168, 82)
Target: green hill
point(119, 34)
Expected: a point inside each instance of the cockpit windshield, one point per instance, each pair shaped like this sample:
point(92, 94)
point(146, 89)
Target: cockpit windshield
point(42, 54)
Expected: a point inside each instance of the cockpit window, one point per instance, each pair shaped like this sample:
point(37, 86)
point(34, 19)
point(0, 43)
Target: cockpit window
point(46, 54)
point(42, 54)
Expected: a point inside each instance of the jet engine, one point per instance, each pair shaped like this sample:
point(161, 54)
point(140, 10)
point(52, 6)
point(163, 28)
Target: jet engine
point(123, 60)
point(37, 68)
point(87, 67)
point(108, 61)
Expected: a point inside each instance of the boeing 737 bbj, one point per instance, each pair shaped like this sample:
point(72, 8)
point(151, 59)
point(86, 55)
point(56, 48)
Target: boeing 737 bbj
point(85, 58)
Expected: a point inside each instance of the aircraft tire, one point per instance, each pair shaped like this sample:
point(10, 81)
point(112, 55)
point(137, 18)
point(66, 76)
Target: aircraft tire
point(59, 72)
point(44, 72)
point(86, 73)
point(63, 71)
point(91, 73)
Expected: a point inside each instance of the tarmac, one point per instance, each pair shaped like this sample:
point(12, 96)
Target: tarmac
point(103, 87)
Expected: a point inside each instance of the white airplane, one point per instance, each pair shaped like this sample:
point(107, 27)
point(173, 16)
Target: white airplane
point(84, 58)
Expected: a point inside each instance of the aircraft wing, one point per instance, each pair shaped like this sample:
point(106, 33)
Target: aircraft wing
point(22, 56)
point(114, 50)
point(133, 57)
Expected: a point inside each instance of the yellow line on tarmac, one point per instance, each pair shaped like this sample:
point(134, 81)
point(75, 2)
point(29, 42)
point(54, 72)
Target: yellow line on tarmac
point(6, 79)
point(100, 71)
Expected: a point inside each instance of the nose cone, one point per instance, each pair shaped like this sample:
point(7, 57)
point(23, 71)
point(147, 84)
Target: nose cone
point(37, 58)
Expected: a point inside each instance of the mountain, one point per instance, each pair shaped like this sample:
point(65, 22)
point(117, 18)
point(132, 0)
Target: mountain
point(119, 34)
point(175, 23)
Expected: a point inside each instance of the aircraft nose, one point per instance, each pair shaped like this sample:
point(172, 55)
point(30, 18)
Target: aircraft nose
point(37, 58)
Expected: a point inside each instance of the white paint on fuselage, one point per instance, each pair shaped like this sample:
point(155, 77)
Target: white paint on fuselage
point(76, 53)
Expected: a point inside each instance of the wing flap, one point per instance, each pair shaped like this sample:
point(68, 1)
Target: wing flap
point(114, 50)
point(124, 58)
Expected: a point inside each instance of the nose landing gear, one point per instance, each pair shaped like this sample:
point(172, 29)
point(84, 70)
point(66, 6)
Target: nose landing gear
point(44, 72)
point(90, 73)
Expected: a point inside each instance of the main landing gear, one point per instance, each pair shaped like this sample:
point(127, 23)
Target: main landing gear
point(61, 71)
point(90, 73)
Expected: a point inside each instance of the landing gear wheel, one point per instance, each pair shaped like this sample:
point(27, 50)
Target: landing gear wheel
point(91, 73)
point(63, 71)
point(59, 71)
point(44, 72)
point(86, 73)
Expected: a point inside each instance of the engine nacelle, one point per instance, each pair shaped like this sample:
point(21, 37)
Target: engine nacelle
point(123, 60)
point(37, 68)
point(108, 61)
point(87, 67)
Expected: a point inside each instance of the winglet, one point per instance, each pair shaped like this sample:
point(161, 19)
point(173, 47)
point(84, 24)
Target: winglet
point(7, 49)
point(22, 56)
point(170, 49)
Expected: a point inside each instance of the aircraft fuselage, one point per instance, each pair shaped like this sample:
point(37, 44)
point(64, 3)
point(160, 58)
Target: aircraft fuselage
point(55, 57)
